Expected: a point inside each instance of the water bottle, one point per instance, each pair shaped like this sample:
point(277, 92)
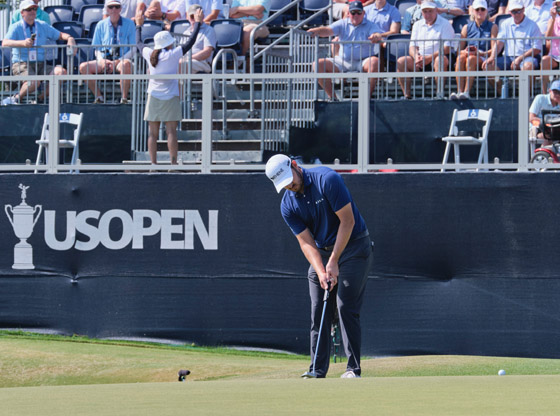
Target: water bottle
point(225, 11)
point(505, 88)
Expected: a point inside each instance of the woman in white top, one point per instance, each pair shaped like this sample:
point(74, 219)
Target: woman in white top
point(163, 104)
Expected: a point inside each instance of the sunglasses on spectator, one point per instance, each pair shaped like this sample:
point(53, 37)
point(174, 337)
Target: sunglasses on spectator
point(516, 11)
point(31, 9)
point(114, 6)
point(355, 12)
point(480, 9)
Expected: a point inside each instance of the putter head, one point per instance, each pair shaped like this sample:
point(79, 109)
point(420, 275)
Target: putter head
point(309, 374)
point(182, 374)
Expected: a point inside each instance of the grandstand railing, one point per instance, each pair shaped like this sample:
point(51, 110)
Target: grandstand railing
point(207, 164)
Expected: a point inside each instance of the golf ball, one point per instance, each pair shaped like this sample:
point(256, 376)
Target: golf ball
point(502, 372)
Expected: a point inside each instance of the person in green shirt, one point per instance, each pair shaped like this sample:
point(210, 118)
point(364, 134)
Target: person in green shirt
point(41, 14)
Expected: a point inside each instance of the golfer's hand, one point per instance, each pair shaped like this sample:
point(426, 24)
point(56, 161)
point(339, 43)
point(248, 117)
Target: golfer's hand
point(332, 274)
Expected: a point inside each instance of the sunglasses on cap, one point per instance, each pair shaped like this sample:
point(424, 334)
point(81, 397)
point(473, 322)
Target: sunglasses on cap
point(516, 11)
point(356, 12)
point(114, 6)
point(31, 9)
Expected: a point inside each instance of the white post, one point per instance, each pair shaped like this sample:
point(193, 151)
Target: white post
point(206, 136)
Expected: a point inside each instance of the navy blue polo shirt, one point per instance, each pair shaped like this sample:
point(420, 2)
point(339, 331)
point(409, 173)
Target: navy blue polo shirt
point(324, 194)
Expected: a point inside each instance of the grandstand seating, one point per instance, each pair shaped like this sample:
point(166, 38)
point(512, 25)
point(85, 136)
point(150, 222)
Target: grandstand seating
point(403, 5)
point(179, 26)
point(78, 4)
point(309, 7)
point(91, 13)
point(150, 28)
point(91, 30)
point(500, 18)
point(283, 19)
point(5, 59)
point(74, 29)
point(62, 13)
point(229, 33)
point(83, 55)
point(396, 49)
point(459, 22)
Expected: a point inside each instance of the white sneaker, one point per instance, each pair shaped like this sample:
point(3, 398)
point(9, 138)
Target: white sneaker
point(10, 101)
point(349, 374)
point(464, 96)
point(453, 96)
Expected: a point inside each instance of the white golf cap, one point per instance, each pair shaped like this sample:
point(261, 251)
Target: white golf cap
point(428, 5)
point(279, 171)
point(112, 2)
point(26, 4)
point(163, 39)
point(515, 5)
point(480, 4)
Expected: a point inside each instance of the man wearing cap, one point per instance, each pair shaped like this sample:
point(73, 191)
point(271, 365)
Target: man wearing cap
point(521, 38)
point(128, 9)
point(113, 31)
point(334, 239)
point(41, 14)
point(27, 59)
point(427, 34)
point(203, 48)
point(211, 9)
point(550, 101)
point(350, 57)
point(552, 60)
point(412, 15)
point(251, 13)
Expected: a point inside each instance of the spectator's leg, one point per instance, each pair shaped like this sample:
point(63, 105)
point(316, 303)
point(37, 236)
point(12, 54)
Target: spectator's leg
point(57, 70)
point(529, 66)
point(436, 64)
point(472, 66)
point(371, 65)
point(461, 65)
point(125, 67)
point(547, 63)
point(495, 83)
point(172, 144)
point(405, 64)
point(153, 133)
point(326, 66)
point(92, 67)
point(263, 32)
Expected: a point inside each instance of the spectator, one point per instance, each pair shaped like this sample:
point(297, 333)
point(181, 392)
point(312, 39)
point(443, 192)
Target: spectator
point(203, 48)
point(339, 9)
point(552, 60)
point(474, 52)
point(550, 101)
point(412, 15)
point(41, 14)
point(351, 57)
point(163, 104)
point(539, 12)
point(22, 36)
point(165, 10)
point(128, 9)
point(211, 9)
point(385, 15)
point(453, 8)
point(496, 8)
point(113, 31)
point(251, 13)
point(520, 36)
point(424, 46)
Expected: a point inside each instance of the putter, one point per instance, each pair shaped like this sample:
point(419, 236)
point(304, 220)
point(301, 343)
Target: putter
point(313, 374)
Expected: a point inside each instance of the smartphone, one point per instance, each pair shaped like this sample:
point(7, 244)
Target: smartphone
point(33, 36)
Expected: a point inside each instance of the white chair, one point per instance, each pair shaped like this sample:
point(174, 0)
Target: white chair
point(73, 143)
point(453, 139)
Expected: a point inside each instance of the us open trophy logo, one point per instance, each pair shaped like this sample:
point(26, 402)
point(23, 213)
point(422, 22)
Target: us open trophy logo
point(23, 219)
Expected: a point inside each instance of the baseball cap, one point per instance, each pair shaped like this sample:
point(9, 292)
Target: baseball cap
point(163, 39)
point(193, 8)
point(477, 4)
point(555, 85)
point(279, 171)
point(26, 4)
point(428, 5)
point(515, 5)
point(355, 5)
point(112, 2)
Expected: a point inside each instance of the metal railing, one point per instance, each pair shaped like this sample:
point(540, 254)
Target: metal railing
point(207, 164)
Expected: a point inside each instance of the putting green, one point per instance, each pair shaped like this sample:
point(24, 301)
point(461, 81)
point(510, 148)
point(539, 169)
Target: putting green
point(451, 395)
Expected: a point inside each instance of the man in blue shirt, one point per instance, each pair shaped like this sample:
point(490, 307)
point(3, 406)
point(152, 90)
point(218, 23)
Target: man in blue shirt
point(112, 31)
point(334, 239)
point(354, 57)
point(27, 59)
point(550, 101)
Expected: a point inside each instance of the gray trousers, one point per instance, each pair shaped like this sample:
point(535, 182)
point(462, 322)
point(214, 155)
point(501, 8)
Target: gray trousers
point(354, 265)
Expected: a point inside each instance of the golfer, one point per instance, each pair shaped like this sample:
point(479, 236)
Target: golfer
point(163, 104)
point(334, 238)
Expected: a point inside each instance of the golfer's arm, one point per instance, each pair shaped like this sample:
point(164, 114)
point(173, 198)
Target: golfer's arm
point(309, 249)
point(346, 217)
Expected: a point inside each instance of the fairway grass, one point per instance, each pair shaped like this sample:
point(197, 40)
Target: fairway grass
point(451, 395)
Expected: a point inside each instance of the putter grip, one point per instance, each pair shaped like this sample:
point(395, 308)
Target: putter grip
point(327, 290)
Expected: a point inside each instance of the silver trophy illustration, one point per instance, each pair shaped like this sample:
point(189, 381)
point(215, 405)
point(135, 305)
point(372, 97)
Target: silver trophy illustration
point(23, 220)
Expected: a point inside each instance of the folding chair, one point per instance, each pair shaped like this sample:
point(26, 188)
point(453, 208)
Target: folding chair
point(228, 37)
point(73, 143)
point(453, 139)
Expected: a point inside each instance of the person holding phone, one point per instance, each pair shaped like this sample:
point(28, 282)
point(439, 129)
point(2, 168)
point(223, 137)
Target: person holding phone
point(552, 59)
point(474, 52)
